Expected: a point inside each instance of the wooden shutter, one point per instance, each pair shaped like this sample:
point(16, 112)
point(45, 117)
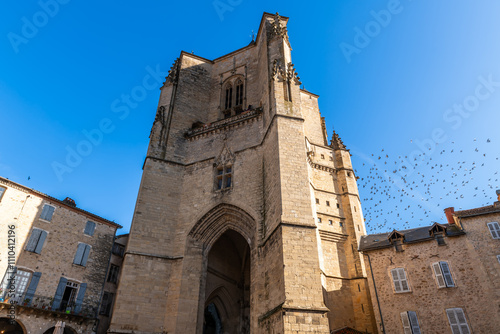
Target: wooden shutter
point(439, 275)
point(462, 322)
point(406, 323)
point(445, 269)
point(59, 293)
point(33, 284)
point(2, 190)
point(35, 235)
point(85, 255)
point(41, 240)
point(404, 282)
point(79, 254)
point(47, 212)
point(89, 228)
point(414, 322)
point(494, 230)
point(395, 279)
point(79, 297)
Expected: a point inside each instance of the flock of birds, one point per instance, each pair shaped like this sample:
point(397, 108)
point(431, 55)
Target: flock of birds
point(397, 193)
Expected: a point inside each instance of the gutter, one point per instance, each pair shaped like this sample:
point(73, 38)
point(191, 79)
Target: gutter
point(376, 295)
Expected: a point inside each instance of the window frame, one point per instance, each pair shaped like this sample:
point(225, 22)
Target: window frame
point(105, 310)
point(492, 229)
point(51, 216)
point(113, 274)
point(223, 177)
point(400, 280)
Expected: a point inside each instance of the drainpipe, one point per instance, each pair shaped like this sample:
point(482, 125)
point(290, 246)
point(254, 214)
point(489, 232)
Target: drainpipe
point(376, 294)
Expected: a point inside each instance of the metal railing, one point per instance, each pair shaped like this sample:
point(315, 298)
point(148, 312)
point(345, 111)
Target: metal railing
point(45, 303)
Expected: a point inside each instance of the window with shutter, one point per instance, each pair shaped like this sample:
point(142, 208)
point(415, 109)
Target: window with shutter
point(410, 323)
point(2, 191)
point(89, 228)
point(82, 254)
point(47, 212)
point(458, 322)
point(443, 274)
point(36, 241)
point(400, 280)
point(494, 228)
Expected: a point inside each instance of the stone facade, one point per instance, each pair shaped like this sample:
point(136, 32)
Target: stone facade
point(469, 251)
point(45, 235)
point(247, 220)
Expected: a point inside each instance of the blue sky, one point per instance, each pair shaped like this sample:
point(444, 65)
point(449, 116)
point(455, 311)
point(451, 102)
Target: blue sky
point(421, 77)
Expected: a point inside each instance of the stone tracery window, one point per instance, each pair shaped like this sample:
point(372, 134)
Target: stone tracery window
point(232, 102)
point(224, 177)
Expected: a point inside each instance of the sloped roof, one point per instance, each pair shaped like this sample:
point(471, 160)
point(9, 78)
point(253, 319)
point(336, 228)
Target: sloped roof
point(479, 211)
point(346, 330)
point(414, 235)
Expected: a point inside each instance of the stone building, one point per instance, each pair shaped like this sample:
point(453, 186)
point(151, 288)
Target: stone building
point(110, 287)
point(247, 219)
point(443, 278)
point(53, 262)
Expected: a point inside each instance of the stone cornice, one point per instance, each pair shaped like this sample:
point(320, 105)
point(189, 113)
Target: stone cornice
point(224, 124)
point(319, 166)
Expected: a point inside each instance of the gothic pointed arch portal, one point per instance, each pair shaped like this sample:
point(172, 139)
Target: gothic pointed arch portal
point(227, 236)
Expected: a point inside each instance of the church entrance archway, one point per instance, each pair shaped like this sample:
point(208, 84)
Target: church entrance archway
point(227, 288)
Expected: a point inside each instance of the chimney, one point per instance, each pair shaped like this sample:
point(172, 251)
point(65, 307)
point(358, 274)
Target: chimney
point(449, 215)
point(69, 202)
point(497, 203)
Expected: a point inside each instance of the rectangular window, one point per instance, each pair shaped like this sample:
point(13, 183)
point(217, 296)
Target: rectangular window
point(82, 254)
point(338, 206)
point(443, 274)
point(89, 228)
point(457, 320)
point(2, 191)
point(113, 273)
point(400, 280)
point(36, 241)
point(69, 296)
point(107, 302)
point(319, 220)
point(19, 284)
point(327, 203)
point(330, 222)
point(341, 224)
point(494, 230)
point(317, 200)
point(118, 249)
point(224, 177)
point(410, 323)
point(47, 212)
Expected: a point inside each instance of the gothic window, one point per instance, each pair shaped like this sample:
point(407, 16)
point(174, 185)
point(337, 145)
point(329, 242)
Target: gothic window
point(228, 97)
point(224, 176)
point(239, 93)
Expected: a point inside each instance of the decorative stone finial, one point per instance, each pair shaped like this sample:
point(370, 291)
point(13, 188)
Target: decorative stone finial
point(337, 143)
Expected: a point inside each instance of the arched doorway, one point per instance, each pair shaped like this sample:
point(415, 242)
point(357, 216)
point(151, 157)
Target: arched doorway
point(6, 327)
point(227, 288)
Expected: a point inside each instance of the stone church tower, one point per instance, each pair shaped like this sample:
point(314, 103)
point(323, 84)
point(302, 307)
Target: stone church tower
point(247, 220)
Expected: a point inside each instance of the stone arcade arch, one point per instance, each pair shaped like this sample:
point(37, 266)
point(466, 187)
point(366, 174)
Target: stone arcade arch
point(6, 327)
point(225, 237)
